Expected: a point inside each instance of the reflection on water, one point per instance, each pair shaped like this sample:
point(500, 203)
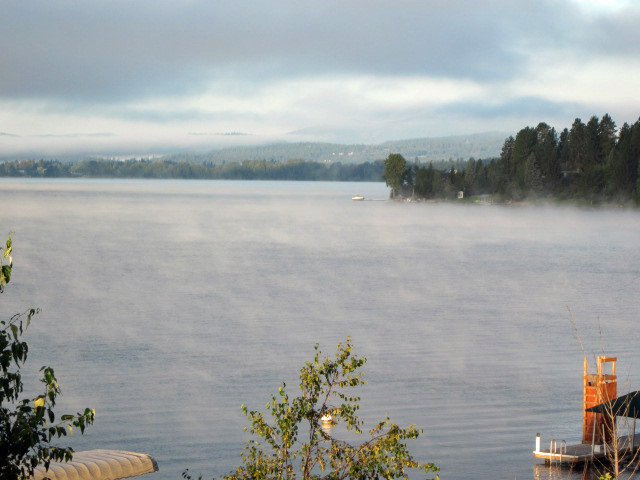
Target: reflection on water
point(581, 472)
point(166, 305)
point(557, 472)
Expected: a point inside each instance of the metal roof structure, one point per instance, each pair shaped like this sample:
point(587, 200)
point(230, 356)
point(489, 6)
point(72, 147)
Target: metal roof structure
point(627, 405)
point(99, 465)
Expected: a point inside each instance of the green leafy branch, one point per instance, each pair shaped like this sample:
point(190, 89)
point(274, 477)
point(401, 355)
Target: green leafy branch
point(5, 270)
point(28, 426)
point(280, 451)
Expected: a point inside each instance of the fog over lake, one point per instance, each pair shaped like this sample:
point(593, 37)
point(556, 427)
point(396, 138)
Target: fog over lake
point(168, 304)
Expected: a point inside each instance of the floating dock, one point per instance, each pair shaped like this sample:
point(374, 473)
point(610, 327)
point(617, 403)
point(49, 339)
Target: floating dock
point(560, 452)
point(599, 430)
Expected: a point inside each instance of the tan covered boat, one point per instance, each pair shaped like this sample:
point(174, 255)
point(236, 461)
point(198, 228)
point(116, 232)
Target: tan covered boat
point(99, 465)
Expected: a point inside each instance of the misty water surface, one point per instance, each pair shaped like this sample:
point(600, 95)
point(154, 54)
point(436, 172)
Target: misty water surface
point(168, 304)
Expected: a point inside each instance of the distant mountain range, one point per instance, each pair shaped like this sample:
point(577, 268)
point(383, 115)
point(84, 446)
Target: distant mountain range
point(481, 145)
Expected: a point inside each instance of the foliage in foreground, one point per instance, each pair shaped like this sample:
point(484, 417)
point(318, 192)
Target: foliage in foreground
point(28, 426)
point(292, 441)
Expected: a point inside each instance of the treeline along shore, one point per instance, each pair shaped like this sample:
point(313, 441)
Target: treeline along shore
point(594, 161)
point(162, 168)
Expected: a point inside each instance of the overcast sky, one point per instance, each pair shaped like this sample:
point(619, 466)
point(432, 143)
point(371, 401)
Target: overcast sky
point(140, 76)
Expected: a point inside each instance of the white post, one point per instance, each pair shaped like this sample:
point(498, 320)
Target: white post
point(593, 439)
point(537, 442)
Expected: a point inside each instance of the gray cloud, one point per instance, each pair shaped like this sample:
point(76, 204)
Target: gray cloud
point(525, 107)
point(105, 51)
point(615, 34)
point(150, 72)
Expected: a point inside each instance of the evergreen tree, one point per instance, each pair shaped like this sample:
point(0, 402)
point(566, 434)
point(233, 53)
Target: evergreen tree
point(532, 175)
point(563, 150)
point(546, 155)
point(523, 146)
point(506, 156)
point(470, 174)
point(634, 158)
point(577, 146)
point(592, 143)
point(496, 173)
point(606, 138)
point(621, 182)
point(424, 177)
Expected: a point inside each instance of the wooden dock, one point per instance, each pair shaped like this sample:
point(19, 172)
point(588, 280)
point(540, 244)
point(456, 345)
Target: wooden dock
point(601, 409)
point(560, 452)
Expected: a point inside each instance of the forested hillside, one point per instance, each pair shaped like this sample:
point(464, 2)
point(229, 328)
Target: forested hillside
point(594, 161)
point(482, 145)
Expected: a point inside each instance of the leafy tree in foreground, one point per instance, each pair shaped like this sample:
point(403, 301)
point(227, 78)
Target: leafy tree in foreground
point(28, 426)
point(293, 443)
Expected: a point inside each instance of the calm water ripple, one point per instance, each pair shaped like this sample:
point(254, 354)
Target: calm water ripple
point(167, 304)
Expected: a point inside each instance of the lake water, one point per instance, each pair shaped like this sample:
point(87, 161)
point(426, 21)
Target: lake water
point(168, 304)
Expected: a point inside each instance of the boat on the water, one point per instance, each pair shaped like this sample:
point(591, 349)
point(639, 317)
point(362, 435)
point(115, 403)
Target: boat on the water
point(358, 198)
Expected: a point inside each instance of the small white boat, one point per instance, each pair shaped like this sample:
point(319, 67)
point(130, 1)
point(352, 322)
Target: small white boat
point(358, 198)
point(326, 418)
